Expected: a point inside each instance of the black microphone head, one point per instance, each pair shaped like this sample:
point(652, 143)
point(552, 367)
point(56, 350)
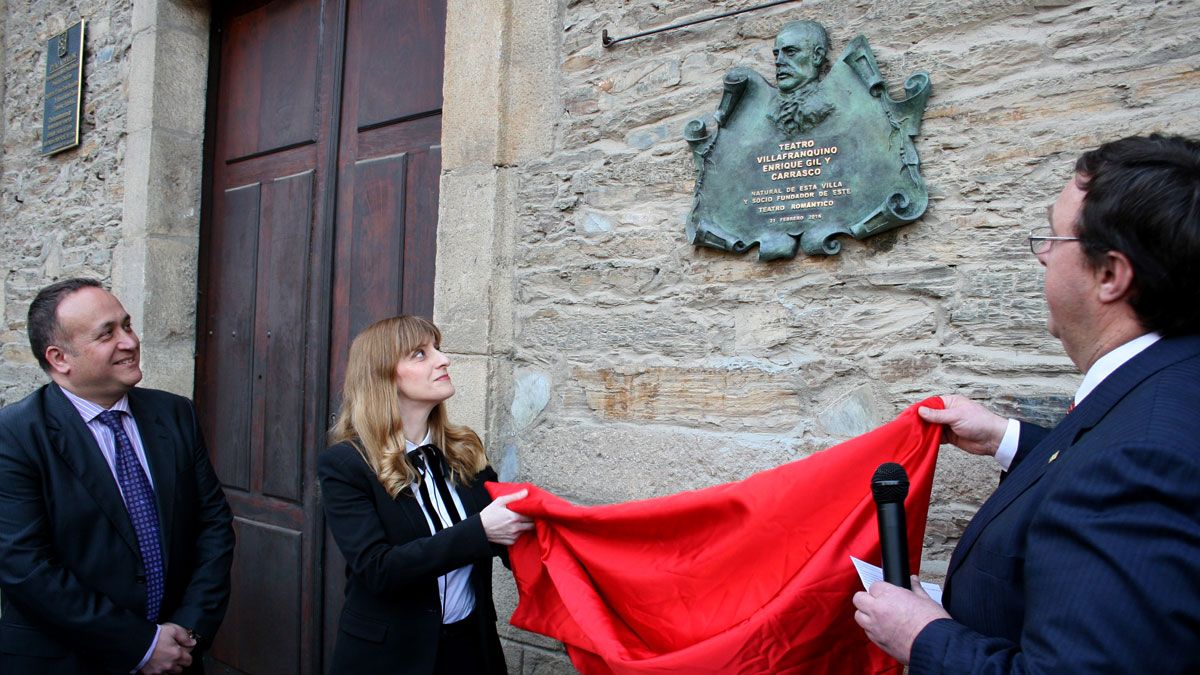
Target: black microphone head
point(889, 484)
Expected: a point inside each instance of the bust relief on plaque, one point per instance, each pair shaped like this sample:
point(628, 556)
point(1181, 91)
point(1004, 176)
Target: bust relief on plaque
point(808, 159)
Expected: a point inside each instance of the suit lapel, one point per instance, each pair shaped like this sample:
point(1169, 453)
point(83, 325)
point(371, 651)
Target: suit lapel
point(161, 457)
point(1088, 414)
point(1023, 477)
point(407, 501)
point(472, 497)
point(78, 449)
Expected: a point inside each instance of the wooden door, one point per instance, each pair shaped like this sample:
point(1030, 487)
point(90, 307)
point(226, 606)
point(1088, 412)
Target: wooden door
point(320, 216)
point(389, 160)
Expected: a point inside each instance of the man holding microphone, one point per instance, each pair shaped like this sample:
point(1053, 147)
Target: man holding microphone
point(1087, 556)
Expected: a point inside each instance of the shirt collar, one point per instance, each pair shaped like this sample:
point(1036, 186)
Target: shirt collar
point(1105, 365)
point(409, 446)
point(89, 411)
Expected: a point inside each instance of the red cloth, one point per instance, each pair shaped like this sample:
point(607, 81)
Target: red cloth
point(747, 577)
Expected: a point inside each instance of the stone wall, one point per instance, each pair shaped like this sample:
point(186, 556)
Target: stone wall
point(60, 216)
point(625, 363)
point(124, 206)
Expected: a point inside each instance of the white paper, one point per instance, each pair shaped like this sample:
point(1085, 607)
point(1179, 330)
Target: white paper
point(869, 574)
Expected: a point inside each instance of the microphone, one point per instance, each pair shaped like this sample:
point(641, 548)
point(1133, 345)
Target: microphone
point(890, 487)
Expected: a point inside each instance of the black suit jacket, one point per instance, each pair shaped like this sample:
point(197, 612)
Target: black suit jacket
point(1086, 559)
point(392, 617)
point(72, 585)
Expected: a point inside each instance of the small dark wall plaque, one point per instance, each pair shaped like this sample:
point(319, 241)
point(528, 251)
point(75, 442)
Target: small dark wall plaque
point(64, 90)
point(809, 160)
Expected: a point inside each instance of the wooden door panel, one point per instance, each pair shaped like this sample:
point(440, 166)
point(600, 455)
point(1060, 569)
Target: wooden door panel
point(386, 243)
point(377, 234)
point(226, 390)
point(269, 79)
point(279, 359)
point(265, 603)
point(420, 233)
point(399, 72)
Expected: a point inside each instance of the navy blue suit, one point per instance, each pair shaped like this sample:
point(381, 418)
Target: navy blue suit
point(1086, 559)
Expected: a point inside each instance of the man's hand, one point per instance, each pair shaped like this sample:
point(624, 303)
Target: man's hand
point(502, 525)
point(173, 652)
point(968, 425)
point(892, 616)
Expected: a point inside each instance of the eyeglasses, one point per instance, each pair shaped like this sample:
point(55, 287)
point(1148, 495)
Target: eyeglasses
point(1041, 239)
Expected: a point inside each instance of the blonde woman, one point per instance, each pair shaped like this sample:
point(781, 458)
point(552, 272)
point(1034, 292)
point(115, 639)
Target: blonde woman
point(403, 495)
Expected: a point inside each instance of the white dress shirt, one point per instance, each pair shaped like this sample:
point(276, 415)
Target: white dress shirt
point(1101, 369)
point(458, 597)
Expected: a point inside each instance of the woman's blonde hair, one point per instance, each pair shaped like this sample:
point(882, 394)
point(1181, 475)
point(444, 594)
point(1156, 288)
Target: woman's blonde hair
point(370, 414)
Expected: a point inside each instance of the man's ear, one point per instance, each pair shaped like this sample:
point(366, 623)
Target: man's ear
point(57, 358)
point(1115, 276)
point(818, 55)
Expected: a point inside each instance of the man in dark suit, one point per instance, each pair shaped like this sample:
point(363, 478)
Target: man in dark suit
point(115, 538)
point(1086, 559)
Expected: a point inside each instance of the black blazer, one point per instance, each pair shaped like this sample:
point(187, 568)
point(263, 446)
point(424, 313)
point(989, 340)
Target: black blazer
point(72, 586)
point(1086, 559)
point(392, 618)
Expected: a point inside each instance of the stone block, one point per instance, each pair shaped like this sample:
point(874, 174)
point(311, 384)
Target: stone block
point(504, 594)
point(170, 286)
point(533, 80)
point(466, 252)
point(513, 655)
point(168, 366)
point(180, 81)
point(172, 204)
point(627, 331)
point(744, 398)
point(472, 93)
point(162, 184)
point(531, 393)
point(187, 15)
point(589, 463)
point(851, 415)
point(470, 404)
point(168, 79)
point(143, 63)
point(539, 662)
point(595, 223)
point(647, 78)
point(502, 300)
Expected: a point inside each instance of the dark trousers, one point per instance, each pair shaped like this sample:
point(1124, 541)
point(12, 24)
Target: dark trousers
point(460, 650)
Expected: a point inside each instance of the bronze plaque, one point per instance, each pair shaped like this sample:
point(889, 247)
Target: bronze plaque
point(64, 90)
point(810, 159)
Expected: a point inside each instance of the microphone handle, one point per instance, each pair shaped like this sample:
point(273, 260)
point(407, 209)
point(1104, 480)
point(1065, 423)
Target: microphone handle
point(893, 541)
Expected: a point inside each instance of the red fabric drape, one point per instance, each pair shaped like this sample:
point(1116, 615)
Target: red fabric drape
point(746, 577)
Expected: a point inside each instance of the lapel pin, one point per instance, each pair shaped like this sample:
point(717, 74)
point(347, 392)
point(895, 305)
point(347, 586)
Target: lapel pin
point(1053, 457)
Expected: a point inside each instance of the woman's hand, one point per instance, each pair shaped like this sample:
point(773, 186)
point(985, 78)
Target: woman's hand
point(502, 525)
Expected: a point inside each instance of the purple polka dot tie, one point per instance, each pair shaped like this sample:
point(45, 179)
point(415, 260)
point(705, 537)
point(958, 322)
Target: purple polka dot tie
point(143, 510)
